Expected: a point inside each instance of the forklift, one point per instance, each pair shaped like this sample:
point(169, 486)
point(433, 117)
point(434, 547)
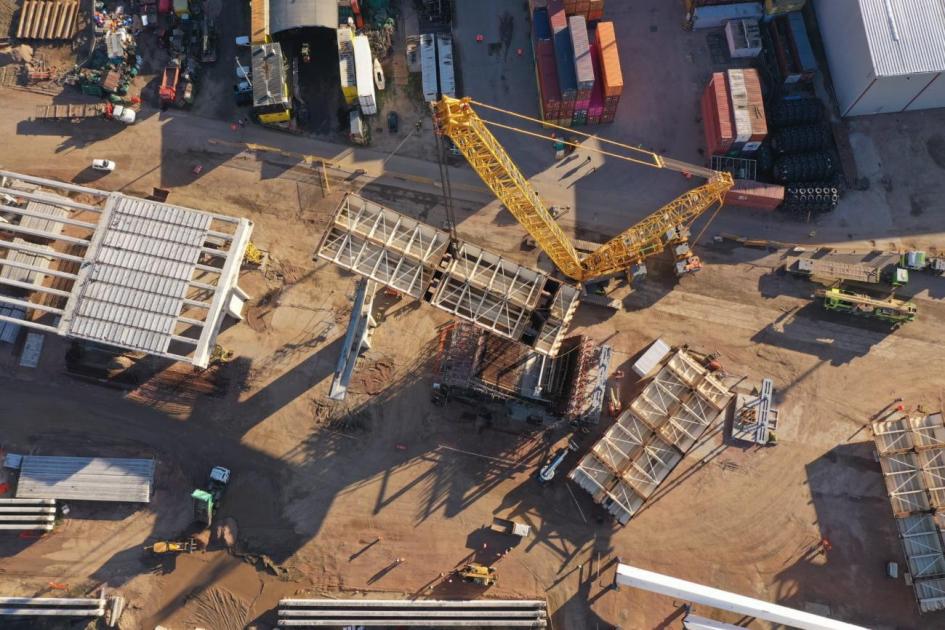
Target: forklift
point(478, 574)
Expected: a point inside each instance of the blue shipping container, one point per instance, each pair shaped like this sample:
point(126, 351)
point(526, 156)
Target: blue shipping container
point(805, 54)
point(540, 24)
point(564, 58)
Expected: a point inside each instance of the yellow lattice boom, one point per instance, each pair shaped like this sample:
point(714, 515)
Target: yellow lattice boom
point(456, 119)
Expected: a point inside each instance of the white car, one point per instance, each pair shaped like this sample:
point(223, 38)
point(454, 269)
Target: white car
point(103, 165)
point(242, 40)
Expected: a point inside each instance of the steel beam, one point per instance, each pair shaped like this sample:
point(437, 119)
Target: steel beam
point(51, 183)
point(40, 251)
point(39, 215)
point(723, 600)
point(42, 270)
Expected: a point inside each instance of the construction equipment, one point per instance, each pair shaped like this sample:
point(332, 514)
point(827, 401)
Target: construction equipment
point(920, 261)
point(547, 472)
point(75, 112)
point(168, 91)
point(478, 574)
point(168, 546)
point(891, 310)
point(512, 528)
point(665, 228)
point(207, 501)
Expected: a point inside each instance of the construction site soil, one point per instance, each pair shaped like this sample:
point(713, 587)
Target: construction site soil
point(329, 496)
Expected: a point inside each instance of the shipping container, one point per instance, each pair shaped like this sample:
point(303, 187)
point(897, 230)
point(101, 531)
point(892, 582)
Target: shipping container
point(738, 99)
point(756, 110)
point(717, 116)
point(595, 10)
point(581, 44)
point(751, 194)
point(779, 7)
point(444, 56)
point(607, 117)
point(800, 44)
point(744, 38)
point(349, 81)
point(557, 19)
point(428, 67)
point(364, 69)
point(564, 58)
point(596, 107)
point(610, 60)
point(717, 15)
point(547, 71)
point(540, 25)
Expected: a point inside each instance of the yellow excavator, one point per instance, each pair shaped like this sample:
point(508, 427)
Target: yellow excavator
point(668, 227)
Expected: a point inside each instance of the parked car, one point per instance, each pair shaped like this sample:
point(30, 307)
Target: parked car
point(242, 40)
point(393, 122)
point(103, 165)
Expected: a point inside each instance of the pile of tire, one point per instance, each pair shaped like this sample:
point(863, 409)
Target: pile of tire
point(800, 139)
point(804, 167)
point(793, 112)
point(810, 197)
point(764, 159)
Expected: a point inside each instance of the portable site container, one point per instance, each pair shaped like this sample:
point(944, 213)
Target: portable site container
point(756, 110)
point(583, 65)
point(717, 116)
point(557, 18)
point(751, 194)
point(610, 60)
point(364, 67)
point(349, 82)
point(564, 58)
point(444, 54)
point(428, 67)
point(547, 72)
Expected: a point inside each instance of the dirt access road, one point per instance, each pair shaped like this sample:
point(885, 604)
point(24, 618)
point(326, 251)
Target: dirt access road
point(336, 495)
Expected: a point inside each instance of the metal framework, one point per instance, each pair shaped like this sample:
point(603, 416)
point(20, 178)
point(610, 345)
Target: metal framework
point(456, 119)
point(118, 270)
point(755, 418)
point(651, 436)
point(460, 278)
point(911, 451)
point(356, 338)
point(85, 479)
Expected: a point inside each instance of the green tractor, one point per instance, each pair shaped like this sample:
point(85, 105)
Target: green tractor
point(206, 502)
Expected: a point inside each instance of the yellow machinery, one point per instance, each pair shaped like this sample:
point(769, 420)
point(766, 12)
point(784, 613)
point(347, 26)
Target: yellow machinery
point(169, 546)
point(667, 227)
point(478, 574)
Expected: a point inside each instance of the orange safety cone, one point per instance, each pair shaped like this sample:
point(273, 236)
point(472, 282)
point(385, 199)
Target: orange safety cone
point(480, 38)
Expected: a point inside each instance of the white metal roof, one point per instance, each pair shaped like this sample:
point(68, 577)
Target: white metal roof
point(132, 273)
point(289, 14)
point(905, 36)
point(85, 479)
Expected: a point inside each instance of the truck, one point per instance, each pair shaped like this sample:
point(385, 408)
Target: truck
point(168, 91)
point(75, 112)
point(207, 501)
point(889, 310)
point(512, 528)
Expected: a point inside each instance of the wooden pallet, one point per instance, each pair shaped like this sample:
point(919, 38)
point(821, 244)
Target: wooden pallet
point(48, 19)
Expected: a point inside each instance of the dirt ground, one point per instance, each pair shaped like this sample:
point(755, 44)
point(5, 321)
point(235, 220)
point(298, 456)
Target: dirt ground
point(334, 494)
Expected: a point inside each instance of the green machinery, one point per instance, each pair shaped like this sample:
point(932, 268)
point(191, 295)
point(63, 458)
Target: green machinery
point(207, 501)
point(889, 310)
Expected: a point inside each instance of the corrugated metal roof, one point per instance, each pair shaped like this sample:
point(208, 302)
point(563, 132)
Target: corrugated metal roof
point(905, 36)
point(139, 275)
point(288, 14)
point(26, 258)
point(269, 85)
point(86, 479)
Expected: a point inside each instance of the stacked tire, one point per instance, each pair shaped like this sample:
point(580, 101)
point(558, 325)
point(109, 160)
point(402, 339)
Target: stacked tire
point(808, 197)
point(794, 112)
point(804, 167)
point(800, 139)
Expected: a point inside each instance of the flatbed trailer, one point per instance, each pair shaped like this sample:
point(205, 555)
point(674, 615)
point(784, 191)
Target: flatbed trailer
point(888, 310)
point(81, 111)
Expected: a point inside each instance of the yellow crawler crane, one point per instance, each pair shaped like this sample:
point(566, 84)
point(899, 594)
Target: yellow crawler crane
point(668, 226)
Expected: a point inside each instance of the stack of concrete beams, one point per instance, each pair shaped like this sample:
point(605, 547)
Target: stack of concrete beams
point(483, 613)
point(27, 514)
point(52, 607)
point(48, 19)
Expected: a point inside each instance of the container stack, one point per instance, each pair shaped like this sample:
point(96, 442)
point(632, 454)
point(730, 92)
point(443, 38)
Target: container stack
point(564, 60)
point(733, 113)
point(428, 70)
point(583, 69)
point(611, 74)
point(590, 10)
point(444, 55)
point(596, 108)
point(546, 67)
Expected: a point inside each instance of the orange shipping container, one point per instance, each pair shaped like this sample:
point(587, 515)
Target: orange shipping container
point(751, 194)
point(610, 59)
point(756, 109)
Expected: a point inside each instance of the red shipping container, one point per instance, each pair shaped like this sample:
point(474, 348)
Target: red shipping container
point(751, 194)
point(756, 110)
point(610, 59)
point(582, 104)
point(556, 16)
point(717, 116)
point(547, 70)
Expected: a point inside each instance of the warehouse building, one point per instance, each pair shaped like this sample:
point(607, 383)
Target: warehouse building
point(884, 57)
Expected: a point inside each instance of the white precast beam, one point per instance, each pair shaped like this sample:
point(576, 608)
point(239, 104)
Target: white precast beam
point(694, 622)
point(723, 600)
point(426, 623)
point(54, 219)
point(12, 501)
point(26, 526)
point(51, 601)
point(29, 324)
point(409, 613)
point(52, 183)
point(52, 612)
point(415, 603)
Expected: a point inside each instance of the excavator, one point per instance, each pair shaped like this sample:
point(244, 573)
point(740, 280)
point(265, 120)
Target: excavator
point(668, 227)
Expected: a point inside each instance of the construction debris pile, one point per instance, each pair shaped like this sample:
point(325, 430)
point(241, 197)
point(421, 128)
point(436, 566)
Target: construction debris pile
point(571, 386)
point(112, 67)
point(652, 435)
point(911, 449)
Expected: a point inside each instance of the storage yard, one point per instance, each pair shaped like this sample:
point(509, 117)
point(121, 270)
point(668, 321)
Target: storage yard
point(558, 314)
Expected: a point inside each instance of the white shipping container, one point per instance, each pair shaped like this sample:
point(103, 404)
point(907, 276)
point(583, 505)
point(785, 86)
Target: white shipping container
point(715, 16)
point(744, 38)
point(444, 50)
point(364, 70)
point(651, 358)
point(428, 67)
point(738, 94)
